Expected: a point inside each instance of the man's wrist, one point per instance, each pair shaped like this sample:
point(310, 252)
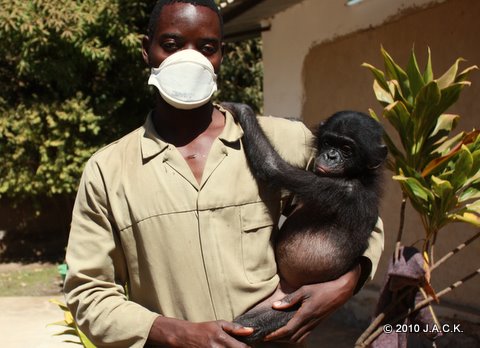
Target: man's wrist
point(162, 332)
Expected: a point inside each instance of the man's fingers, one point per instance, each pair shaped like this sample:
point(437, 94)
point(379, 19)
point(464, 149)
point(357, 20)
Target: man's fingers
point(304, 337)
point(289, 301)
point(301, 334)
point(285, 331)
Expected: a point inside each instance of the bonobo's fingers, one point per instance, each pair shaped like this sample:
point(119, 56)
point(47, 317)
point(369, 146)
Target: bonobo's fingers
point(236, 329)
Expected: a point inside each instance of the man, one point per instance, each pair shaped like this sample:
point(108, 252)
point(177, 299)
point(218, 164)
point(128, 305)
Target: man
point(171, 212)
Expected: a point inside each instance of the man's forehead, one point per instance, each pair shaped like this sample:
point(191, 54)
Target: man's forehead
point(177, 14)
point(184, 9)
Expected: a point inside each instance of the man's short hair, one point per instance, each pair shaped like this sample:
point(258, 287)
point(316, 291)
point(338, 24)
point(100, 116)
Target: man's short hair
point(152, 24)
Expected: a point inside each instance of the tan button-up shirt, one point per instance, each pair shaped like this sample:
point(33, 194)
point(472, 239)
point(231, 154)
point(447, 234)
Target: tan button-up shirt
point(186, 250)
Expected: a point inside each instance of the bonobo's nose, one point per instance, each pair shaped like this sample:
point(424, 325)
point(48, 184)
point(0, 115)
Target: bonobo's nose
point(332, 155)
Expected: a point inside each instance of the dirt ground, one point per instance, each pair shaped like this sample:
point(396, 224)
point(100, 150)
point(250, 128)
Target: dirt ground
point(24, 318)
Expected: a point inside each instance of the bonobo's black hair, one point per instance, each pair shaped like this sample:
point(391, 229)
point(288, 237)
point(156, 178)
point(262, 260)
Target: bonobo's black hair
point(152, 23)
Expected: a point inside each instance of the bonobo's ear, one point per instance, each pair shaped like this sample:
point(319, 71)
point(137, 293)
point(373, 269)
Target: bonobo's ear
point(381, 153)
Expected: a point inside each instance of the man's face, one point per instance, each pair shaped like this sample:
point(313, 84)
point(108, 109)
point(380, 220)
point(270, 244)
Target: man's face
point(185, 26)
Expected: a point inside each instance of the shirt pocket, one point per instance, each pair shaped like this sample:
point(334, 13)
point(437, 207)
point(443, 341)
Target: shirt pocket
point(257, 243)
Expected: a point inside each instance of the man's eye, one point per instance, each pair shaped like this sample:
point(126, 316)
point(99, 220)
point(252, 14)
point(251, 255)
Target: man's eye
point(169, 46)
point(208, 49)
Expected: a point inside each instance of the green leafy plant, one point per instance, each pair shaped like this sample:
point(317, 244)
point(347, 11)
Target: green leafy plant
point(439, 173)
point(71, 327)
point(73, 80)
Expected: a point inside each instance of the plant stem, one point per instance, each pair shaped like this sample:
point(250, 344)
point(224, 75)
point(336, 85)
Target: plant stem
point(454, 251)
point(379, 318)
point(417, 307)
point(432, 247)
point(401, 226)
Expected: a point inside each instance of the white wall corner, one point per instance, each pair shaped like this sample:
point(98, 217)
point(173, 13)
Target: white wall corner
point(295, 31)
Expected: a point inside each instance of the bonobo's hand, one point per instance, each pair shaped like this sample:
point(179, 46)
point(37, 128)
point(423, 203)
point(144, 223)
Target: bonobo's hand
point(316, 302)
point(169, 332)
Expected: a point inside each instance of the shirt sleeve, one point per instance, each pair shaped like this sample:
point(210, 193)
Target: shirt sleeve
point(97, 273)
point(371, 257)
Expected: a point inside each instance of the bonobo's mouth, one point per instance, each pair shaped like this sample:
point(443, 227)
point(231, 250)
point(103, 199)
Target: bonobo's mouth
point(320, 170)
point(328, 171)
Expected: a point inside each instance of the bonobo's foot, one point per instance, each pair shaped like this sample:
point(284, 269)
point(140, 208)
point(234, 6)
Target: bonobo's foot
point(263, 318)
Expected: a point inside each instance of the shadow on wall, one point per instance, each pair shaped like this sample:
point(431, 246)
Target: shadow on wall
point(34, 231)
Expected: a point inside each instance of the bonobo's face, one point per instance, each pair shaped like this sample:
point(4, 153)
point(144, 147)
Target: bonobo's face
point(185, 26)
point(335, 156)
point(349, 143)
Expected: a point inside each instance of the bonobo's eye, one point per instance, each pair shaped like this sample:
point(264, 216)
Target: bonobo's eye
point(347, 150)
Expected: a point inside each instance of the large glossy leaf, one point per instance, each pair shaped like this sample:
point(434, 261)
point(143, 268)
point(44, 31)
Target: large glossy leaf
point(425, 102)
point(415, 187)
point(398, 94)
point(475, 207)
point(457, 142)
point(464, 74)
point(69, 331)
point(383, 96)
point(62, 305)
point(85, 341)
point(467, 217)
point(414, 75)
point(398, 115)
point(441, 188)
point(395, 72)
point(463, 166)
point(476, 163)
point(447, 146)
point(469, 194)
point(378, 74)
point(392, 148)
point(449, 96)
point(428, 73)
point(445, 123)
point(449, 77)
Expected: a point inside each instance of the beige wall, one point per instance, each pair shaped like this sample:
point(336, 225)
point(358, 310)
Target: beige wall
point(334, 80)
point(295, 31)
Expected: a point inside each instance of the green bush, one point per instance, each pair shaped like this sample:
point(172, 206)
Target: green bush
point(73, 80)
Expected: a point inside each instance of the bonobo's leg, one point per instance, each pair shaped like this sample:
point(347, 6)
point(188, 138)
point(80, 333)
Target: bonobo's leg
point(263, 318)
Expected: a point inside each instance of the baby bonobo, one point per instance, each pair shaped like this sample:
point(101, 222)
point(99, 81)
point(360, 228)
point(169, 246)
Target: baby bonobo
point(338, 204)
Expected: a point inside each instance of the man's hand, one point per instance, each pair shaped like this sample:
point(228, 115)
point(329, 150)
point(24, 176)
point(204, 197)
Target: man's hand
point(317, 301)
point(169, 332)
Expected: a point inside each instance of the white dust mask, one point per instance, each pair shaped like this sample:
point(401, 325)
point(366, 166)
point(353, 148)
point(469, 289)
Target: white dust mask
point(186, 79)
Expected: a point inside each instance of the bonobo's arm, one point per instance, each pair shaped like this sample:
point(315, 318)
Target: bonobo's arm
point(267, 165)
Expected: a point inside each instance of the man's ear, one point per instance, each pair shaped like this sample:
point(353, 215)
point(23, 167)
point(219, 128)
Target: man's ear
point(145, 49)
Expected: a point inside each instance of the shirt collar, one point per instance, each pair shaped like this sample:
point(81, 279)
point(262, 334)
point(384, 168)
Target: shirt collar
point(232, 132)
point(150, 141)
point(152, 145)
